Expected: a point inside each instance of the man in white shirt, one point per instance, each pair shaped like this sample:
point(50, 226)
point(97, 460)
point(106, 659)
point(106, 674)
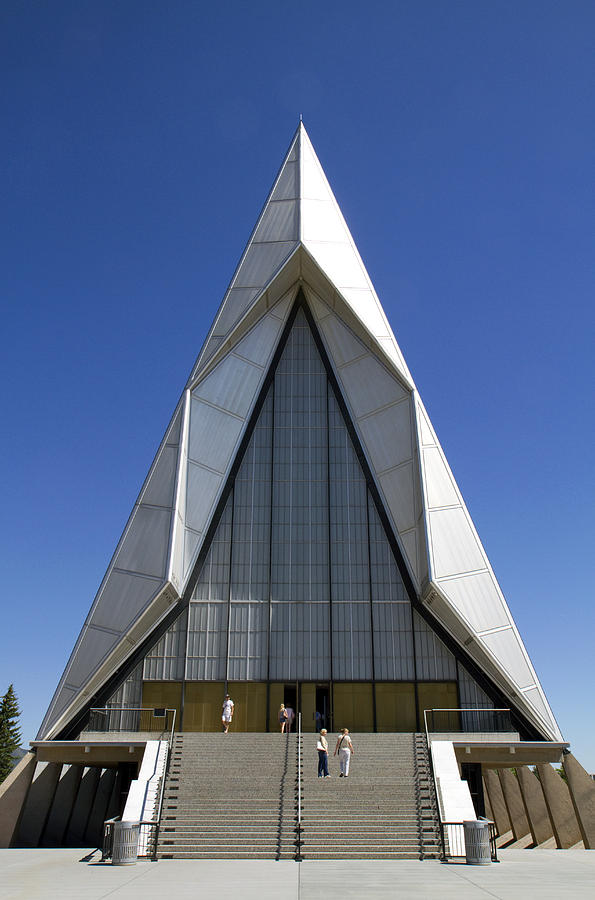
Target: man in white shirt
point(227, 713)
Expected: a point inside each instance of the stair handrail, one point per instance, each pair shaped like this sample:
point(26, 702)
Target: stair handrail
point(299, 815)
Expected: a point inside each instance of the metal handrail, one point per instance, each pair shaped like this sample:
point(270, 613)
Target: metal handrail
point(298, 856)
point(163, 780)
point(106, 710)
point(462, 710)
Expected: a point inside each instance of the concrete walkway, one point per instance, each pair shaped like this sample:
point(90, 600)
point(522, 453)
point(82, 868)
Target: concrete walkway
point(63, 874)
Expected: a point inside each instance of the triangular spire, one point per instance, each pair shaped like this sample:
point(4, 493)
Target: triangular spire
point(300, 242)
point(301, 211)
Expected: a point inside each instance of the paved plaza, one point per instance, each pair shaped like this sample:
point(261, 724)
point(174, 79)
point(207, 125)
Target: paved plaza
point(65, 874)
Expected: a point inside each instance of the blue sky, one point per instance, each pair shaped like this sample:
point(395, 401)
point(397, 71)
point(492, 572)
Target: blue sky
point(139, 142)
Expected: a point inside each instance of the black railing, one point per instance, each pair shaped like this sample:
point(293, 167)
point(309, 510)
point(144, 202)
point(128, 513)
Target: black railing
point(444, 721)
point(454, 840)
point(119, 719)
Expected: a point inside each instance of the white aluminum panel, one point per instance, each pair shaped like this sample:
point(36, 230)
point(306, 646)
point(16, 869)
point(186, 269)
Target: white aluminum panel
point(288, 185)
point(202, 488)
point(387, 436)
point(390, 347)
point(279, 222)
point(314, 185)
point(409, 544)
point(177, 555)
point(160, 489)
point(213, 435)
point(426, 432)
point(59, 704)
point(533, 696)
point(342, 267)
point(505, 646)
point(232, 385)
point(210, 348)
point(477, 599)
point(191, 542)
point(94, 648)
point(455, 549)
point(173, 435)
point(341, 343)
point(398, 487)
point(260, 342)
point(440, 488)
point(124, 597)
point(367, 309)
point(369, 386)
point(319, 309)
point(321, 222)
point(261, 262)
point(237, 302)
point(281, 308)
point(144, 549)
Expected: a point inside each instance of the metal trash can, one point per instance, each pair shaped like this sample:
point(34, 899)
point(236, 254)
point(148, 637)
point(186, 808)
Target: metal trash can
point(125, 846)
point(477, 842)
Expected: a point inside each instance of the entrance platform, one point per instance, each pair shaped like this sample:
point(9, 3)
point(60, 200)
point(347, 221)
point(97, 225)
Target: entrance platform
point(65, 874)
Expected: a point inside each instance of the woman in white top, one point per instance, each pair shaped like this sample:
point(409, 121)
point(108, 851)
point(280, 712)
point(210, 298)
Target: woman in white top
point(344, 748)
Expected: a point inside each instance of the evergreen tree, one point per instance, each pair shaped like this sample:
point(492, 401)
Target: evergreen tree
point(10, 733)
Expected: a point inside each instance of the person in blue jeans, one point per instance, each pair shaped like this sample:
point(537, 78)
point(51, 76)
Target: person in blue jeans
point(322, 747)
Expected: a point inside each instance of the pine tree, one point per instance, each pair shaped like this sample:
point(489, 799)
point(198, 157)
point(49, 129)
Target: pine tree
point(10, 733)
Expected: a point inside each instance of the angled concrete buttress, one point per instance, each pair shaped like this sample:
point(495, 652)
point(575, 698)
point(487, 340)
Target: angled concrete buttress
point(38, 803)
point(535, 806)
point(66, 791)
point(75, 833)
point(514, 804)
point(582, 792)
point(497, 802)
point(560, 808)
point(13, 791)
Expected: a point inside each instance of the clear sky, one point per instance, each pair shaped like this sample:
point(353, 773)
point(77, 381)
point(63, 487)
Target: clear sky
point(139, 141)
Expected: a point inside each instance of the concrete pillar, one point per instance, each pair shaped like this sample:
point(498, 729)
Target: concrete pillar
point(66, 791)
point(582, 793)
point(75, 833)
point(514, 804)
point(534, 803)
point(113, 807)
point(13, 793)
point(94, 831)
point(560, 808)
point(38, 804)
point(496, 798)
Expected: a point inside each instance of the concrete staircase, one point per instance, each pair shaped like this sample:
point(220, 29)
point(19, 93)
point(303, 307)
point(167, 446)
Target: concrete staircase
point(386, 808)
point(230, 796)
point(234, 796)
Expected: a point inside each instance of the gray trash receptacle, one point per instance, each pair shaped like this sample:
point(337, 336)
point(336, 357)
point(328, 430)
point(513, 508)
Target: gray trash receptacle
point(477, 842)
point(125, 847)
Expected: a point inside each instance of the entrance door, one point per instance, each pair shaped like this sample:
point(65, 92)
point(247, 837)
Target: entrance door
point(323, 707)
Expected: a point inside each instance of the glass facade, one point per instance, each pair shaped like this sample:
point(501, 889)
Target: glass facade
point(300, 583)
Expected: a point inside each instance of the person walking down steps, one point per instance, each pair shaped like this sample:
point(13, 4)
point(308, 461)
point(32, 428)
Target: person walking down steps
point(227, 713)
point(322, 747)
point(344, 748)
point(282, 718)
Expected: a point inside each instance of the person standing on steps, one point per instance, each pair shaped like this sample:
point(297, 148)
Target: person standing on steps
point(344, 748)
point(227, 713)
point(282, 717)
point(290, 717)
point(322, 747)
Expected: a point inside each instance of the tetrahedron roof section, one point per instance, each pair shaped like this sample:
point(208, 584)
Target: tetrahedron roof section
point(301, 210)
point(300, 245)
